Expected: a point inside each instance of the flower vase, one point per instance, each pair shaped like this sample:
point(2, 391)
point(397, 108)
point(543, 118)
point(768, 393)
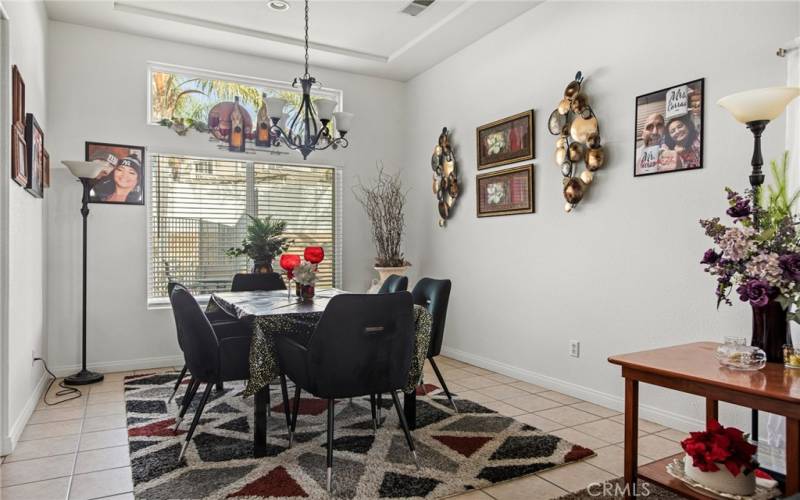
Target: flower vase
point(262, 266)
point(771, 330)
point(721, 480)
point(298, 289)
point(307, 292)
point(385, 272)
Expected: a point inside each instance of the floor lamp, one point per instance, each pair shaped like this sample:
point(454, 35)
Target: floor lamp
point(756, 108)
point(85, 171)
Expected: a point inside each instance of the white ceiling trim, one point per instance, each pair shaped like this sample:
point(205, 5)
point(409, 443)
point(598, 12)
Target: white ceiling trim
point(425, 34)
point(179, 18)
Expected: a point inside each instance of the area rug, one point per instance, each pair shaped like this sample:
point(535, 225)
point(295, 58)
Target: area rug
point(457, 452)
point(613, 490)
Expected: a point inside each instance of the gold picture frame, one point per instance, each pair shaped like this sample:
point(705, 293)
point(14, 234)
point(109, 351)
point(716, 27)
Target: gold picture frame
point(505, 192)
point(504, 141)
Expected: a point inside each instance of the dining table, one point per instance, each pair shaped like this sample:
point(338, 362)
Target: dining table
point(279, 312)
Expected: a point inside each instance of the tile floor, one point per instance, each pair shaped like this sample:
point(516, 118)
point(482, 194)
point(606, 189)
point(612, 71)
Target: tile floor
point(79, 449)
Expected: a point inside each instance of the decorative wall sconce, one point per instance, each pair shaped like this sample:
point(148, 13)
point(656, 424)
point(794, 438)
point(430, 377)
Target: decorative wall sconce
point(576, 125)
point(445, 180)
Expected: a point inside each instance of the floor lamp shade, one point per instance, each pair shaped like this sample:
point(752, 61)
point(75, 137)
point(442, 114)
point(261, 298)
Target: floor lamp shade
point(759, 104)
point(85, 171)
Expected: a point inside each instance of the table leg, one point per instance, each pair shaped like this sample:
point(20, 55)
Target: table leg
point(792, 456)
point(260, 427)
point(631, 436)
point(712, 410)
point(410, 408)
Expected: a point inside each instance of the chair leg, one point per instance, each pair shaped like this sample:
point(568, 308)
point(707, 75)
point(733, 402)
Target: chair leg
point(286, 410)
point(441, 381)
point(187, 401)
point(196, 419)
point(177, 384)
point(380, 408)
point(374, 409)
point(295, 410)
point(330, 442)
point(220, 387)
point(404, 424)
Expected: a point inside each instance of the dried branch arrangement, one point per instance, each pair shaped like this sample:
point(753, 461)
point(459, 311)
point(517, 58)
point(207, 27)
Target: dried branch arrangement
point(384, 202)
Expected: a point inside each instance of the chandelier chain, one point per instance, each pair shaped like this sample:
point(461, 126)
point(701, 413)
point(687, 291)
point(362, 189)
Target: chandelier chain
point(307, 74)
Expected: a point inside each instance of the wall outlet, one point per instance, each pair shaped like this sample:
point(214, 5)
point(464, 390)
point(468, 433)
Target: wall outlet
point(574, 348)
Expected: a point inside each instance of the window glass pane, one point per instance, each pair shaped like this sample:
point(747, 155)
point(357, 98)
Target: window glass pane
point(199, 209)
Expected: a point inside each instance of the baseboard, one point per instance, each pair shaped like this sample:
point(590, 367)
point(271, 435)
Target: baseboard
point(9, 442)
point(648, 412)
point(122, 365)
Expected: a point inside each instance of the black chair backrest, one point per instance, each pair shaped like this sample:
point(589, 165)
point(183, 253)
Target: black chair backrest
point(394, 284)
point(362, 345)
point(199, 342)
point(434, 295)
point(246, 282)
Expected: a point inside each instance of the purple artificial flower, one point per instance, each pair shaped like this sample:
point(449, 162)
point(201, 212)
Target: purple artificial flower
point(757, 292)
point(739, 209)
point(710, 257)
point(790, 263)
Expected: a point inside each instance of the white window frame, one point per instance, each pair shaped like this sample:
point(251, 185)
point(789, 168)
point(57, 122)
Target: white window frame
point(159, 67)
point(163, 302)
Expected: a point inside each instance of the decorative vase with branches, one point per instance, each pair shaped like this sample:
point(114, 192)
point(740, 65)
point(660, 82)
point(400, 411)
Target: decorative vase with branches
point(262, 242)
point(384, 201)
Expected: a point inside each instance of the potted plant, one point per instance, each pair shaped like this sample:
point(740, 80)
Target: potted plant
point(384, 202)
point(758, 256)
point(721, 459)
point(262, 242)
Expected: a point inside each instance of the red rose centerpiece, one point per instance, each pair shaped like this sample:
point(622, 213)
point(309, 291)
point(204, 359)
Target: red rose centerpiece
point(722, 459)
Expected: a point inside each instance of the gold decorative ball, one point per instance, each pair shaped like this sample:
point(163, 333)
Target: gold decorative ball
point(574, 190)
point(568, 207)
point(593, 140)
point(579, 103)
point(595, 157)
point(575, 152)
point(563, 106)
point(587, 176)
point(561, 142)
point(561, 155)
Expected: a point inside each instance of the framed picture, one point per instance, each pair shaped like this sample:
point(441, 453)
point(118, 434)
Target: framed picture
point(46, 164)
point(669, 130)
point(19, 156)
point(35, 139)
point(121, 181)
point(18, 99)
point(505, 141)
point(505, 192)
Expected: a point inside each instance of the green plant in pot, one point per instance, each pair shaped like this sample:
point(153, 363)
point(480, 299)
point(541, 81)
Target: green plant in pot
point(384, 202)
point(262, 243)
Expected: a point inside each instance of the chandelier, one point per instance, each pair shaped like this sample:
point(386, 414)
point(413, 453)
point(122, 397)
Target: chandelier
point(308, 129)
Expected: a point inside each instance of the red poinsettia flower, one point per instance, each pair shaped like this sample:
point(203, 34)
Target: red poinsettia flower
point(719, 445)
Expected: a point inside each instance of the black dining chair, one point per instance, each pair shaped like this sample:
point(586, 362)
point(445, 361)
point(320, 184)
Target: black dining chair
point(250, 282)
point(394, 283)
point(210, 358)
point(225, 326)
point(434, 295)
point(361, 346)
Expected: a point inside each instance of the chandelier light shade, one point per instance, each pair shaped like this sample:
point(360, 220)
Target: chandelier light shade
point(308, 128)
point(759, 104)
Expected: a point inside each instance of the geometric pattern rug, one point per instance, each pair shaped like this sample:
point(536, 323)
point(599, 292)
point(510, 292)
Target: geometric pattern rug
point(457, 451)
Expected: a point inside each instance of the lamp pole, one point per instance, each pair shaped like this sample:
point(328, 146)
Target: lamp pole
point(756, 176)
point(84, 376)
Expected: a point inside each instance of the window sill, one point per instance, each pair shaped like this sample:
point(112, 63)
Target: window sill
point(163, 302)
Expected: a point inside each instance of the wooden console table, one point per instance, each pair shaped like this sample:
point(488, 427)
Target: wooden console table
point(692, 368)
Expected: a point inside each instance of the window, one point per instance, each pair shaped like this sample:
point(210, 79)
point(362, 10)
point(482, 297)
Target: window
point(199, 209)
point(189, 94)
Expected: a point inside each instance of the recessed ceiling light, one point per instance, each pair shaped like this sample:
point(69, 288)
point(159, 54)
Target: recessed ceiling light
point(278, 5)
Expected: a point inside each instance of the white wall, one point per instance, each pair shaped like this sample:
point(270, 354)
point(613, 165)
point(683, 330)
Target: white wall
point(621, 272)
point(98, 92)
point(23, 230)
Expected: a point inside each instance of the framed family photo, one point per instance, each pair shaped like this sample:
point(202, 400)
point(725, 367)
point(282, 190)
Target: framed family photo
point(505, 192)
point(19, 156)
point(505, 141)
point(121, 181)
point(669, 130)
point(34, 137)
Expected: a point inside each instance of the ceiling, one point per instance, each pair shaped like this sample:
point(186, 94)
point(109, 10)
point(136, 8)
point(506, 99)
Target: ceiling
point(368, 37)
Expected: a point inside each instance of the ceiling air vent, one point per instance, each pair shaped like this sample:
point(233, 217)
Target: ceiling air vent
point(416, 7)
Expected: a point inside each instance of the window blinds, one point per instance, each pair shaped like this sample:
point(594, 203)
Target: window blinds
point(200, 207)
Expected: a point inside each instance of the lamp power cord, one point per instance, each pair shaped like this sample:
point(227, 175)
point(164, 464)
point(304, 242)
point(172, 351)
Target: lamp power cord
point(65, 389)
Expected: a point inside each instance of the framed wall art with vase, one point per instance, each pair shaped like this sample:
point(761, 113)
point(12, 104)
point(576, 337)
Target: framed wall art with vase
point(34, 137)
point(19, 156)
point(669, 130)
point(504, 141)
point(46, 165)
point(122, 178)
point(505, 192)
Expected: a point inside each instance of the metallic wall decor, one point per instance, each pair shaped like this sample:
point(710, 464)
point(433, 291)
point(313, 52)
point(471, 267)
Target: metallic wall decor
point(576, 125)
point(445, 178)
